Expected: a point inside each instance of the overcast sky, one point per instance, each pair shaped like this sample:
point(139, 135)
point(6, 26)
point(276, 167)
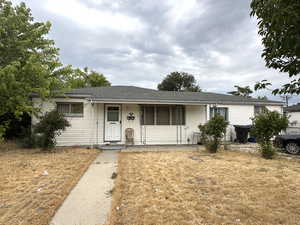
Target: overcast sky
point(138, 42)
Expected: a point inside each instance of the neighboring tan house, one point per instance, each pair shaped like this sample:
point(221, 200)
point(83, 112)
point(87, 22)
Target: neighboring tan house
point(101, 115)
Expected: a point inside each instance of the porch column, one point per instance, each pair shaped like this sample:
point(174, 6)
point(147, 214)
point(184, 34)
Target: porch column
point(207, 112)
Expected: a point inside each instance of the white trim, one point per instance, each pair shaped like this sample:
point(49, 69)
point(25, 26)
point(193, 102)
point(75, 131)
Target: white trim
point(170, 102)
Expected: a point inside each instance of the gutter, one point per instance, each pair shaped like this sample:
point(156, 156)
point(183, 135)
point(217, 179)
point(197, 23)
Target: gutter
point(171, 102)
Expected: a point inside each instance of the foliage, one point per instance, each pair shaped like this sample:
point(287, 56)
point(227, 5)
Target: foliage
point(16, 125)
point(179, 81)
point(49, 127)
point(85, 78)
point(278, 23)
point(28, 61)
point(3, 128)
point(212, 132)
point(241, 91)
point(262, 97)
point(265, 126)
point(29, 139)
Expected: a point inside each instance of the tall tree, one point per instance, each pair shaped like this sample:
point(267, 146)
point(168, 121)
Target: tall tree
point(179, 81)
point(241, 91)
point(86, 78)
point(28, 60)
point(278, 23)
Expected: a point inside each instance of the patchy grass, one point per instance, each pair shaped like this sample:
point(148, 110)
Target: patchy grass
point(29, 197)
point(187, 188)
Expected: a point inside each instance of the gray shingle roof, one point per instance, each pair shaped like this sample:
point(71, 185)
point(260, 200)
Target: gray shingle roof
point(132, 93)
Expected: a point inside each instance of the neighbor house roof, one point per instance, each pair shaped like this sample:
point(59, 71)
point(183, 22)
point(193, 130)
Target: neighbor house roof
point(145, 95)
point(292, 108)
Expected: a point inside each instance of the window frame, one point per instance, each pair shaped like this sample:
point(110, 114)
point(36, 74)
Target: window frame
point(212, 112)
point(70, 114)
point(261, 109)
point(155, 115)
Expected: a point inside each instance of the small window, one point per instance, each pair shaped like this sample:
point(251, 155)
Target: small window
point(112, 113)
point(74, 109)
point(222, 111)
point(258, 109)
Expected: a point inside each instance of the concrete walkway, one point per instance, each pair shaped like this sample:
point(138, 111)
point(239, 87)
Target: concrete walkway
point(90, 201)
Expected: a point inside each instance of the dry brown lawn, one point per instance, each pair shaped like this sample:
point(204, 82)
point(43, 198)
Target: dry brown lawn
point(27, 197)
point(186, 188)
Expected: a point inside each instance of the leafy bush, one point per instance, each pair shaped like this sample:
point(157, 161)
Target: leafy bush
point(212, 133)
point(3, 128)
point(265, 126)
point(49, 127)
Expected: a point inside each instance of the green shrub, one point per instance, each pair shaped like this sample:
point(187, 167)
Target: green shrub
point(212, 133)
point(29, 139)
point(265, 126)
point(49, 127)
point(3, 128)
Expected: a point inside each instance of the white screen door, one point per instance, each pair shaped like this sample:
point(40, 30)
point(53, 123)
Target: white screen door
point(112, 123)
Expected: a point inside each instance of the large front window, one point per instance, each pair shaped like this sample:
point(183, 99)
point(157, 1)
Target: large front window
point(162, 115)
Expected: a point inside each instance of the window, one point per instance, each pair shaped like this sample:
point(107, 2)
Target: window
point(162, 115)
point(147, 113)
point(178, 115)
point(222, 111)
point(112, 113)
point(259, 109)
point(74, 109)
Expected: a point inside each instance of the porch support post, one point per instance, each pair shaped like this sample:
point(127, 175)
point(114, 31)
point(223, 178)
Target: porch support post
point(207, 112)
point(92, 123)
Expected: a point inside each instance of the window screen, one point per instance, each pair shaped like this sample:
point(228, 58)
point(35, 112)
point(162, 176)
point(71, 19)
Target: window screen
point(148, 115)
point(163, 115)
point(178, 115)
point(112, 113)
point(219, 111)
point(63, 108)
point(70, 108)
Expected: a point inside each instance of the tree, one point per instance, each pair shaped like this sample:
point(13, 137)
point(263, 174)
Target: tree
point(265, 126)
point(212, 132)
point(179, 81)
point(28, 61)
point(241, 91)
point(278, 23)
point(85, 78)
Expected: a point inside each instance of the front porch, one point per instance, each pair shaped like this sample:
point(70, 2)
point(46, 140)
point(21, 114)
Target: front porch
point(152, 124)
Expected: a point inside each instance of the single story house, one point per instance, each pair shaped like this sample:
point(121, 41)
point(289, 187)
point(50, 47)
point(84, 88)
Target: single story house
point(102, 115)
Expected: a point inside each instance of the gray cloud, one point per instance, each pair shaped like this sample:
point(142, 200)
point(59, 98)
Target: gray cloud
point(138, 42)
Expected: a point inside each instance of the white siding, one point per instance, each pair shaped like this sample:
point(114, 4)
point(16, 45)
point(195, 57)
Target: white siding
point(294, 117)
point(83, 130)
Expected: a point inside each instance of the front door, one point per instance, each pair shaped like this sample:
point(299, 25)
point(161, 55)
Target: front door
point(112, 123)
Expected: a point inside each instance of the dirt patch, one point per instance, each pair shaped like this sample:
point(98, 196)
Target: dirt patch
point(33, 184)
point(194, 188)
